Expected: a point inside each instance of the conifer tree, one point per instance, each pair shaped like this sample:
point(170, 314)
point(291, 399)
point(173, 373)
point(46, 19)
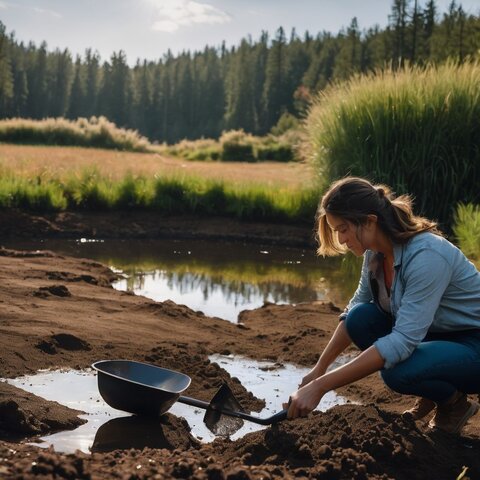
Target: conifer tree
point(93, 80)
point(116, 90)
point(6, 77)
point(59, 83)
point(77, 105)
point(37, 77)
point(276, 74)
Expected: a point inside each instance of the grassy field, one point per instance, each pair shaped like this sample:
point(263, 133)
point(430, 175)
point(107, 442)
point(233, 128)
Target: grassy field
point(45, 179)
point(31, 161)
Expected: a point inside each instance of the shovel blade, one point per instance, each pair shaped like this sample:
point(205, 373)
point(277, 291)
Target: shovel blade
point(218, 423)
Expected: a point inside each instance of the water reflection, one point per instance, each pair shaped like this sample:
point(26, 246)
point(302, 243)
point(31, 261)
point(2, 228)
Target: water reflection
point(233, 291)
point(219, 279)
point(133, 432)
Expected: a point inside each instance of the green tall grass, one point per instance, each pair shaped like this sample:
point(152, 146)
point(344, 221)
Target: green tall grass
point(35, 194)
point(416, 129)
point(93, 132)
point(91, 191)
point(467, 230)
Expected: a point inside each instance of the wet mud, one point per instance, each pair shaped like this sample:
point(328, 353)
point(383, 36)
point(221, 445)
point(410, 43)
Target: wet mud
point(94, 322)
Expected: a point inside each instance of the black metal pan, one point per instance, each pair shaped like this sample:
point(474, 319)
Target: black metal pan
point(145, 389)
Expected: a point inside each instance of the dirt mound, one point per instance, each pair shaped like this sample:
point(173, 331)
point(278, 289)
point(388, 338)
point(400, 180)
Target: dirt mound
point(353, 441)
point(55, 290)
point(62, 341)
point(70, 277)
point(22, 413)
point(46, 465)
point(207, 377)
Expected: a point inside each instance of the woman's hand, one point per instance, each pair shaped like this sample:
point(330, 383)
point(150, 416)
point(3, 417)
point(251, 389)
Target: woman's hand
point(313, 374)
point(304, 400)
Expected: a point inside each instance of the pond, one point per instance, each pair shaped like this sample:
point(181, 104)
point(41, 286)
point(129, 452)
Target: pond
point(218, 278)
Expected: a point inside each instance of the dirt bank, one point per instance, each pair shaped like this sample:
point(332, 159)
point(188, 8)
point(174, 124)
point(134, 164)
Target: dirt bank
point(20, 224)
point(62, 312)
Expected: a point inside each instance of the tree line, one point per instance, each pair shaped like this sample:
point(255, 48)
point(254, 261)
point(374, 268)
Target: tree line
point(249, 86)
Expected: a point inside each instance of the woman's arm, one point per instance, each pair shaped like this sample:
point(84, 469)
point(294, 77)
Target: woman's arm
point(304, 400)
point(337, 344)
point(363, 293)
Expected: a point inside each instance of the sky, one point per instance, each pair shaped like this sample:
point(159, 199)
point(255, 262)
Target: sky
point(147, 29)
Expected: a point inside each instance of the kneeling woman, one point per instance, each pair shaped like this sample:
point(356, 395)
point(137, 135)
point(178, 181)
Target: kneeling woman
point(415, 314)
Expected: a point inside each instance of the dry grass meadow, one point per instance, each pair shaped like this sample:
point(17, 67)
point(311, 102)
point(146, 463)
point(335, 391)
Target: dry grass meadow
point(31, 161)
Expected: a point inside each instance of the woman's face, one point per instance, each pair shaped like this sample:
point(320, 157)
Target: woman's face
point(356, 239)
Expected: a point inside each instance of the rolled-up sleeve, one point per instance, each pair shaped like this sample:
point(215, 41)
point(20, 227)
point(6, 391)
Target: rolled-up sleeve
point(426, 277)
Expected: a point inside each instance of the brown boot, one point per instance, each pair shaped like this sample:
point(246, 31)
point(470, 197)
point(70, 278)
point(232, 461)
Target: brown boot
point(452, 415)
point(421, 408)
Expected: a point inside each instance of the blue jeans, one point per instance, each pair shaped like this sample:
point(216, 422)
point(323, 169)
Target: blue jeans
point(442, 364)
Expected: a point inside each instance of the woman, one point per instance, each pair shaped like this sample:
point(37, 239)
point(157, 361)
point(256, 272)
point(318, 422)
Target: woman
point(415, 314)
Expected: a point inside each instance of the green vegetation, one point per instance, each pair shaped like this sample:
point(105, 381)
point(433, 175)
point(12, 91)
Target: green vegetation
point(467, 230)
point(234, 145)
point(238, 146)
point(93, 192)
point(94, 132)
point(415, 129)
point(250, 86)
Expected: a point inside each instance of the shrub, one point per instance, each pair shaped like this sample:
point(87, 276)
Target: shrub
point(94, 132)
point(416, 129)
point(467, 229)
point(236, 145)
point(286, 122)
point(275, 152)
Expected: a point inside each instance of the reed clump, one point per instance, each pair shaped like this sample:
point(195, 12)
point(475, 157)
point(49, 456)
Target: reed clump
point(467, 230)
point(93, 132)
point(416, 129)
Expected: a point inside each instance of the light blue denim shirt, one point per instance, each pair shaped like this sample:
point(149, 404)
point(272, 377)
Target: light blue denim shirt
point(435, 288)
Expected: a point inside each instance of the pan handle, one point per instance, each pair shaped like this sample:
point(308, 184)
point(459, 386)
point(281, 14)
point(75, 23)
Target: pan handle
point(277, 417)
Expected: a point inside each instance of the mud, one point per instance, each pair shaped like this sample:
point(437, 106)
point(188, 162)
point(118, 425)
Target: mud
point(95, 322)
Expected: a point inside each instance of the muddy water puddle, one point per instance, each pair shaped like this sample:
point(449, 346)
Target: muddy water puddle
point(107, 428)
point(218, 278)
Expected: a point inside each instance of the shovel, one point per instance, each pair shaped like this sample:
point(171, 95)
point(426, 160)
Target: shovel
point(145, 389)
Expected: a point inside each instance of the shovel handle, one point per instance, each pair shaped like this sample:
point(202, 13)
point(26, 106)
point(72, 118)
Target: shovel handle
point(277, 417)
point(193, 402)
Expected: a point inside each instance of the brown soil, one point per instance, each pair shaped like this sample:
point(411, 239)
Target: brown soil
point(62, 312)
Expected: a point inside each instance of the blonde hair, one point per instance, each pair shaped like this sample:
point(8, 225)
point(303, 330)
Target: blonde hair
point(353, 199)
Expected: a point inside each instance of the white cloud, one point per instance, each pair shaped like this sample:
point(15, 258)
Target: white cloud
point(174, 14)
point(47, 12)
point(4, 5)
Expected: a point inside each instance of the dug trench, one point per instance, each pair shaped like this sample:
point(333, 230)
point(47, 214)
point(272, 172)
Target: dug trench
point(61, 312)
